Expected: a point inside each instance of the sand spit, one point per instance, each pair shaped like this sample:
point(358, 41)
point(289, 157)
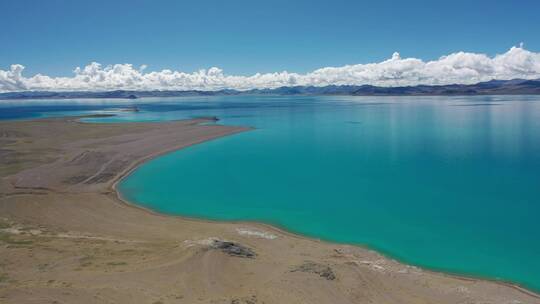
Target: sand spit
point(65, 236)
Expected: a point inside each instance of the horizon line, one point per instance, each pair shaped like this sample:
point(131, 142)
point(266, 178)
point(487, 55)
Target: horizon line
point(455, 68)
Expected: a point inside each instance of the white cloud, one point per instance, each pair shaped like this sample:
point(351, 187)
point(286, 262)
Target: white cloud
point(461, 67)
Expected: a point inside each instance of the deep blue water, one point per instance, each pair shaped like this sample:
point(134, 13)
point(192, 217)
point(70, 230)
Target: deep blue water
point(447, 183)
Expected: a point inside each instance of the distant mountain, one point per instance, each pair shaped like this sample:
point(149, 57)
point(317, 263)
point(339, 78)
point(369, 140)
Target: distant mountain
point(493, 87)
point(109, 94)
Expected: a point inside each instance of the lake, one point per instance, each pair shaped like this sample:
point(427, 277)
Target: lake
point(445, 183)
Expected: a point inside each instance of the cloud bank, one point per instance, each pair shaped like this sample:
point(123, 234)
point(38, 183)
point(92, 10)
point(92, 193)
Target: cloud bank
point(459, 68)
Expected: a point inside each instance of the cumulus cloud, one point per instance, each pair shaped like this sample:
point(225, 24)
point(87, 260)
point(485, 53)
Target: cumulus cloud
point(460, 67)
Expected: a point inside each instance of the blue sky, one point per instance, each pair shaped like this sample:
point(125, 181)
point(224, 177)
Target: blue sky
point(244, 37)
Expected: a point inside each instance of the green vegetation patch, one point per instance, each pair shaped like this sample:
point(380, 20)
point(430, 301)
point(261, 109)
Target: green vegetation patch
point(4, 224)
point(7, 238)
point(117, 263)
point(4, 278)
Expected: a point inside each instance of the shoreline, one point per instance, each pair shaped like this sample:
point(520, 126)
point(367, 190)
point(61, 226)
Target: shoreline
point(325, 252)
point(283, 230)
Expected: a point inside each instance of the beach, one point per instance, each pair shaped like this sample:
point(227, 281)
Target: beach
point(67, 237)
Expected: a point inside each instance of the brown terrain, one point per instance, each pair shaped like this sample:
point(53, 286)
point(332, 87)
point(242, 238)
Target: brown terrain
point(66, 237)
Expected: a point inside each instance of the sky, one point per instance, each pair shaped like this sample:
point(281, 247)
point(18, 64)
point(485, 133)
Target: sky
point(243, 38)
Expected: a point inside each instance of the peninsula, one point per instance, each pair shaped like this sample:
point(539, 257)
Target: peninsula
point(67, 237)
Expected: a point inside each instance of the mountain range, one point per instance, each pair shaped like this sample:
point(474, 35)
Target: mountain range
point(492, 87)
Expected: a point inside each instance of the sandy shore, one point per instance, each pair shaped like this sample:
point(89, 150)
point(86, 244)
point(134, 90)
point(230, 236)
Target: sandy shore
point(66, 237)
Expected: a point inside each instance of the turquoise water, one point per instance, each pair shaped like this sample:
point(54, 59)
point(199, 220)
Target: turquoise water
point(447, 183)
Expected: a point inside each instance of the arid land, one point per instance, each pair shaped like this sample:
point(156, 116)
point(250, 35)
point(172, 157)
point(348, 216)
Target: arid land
point(66, 236)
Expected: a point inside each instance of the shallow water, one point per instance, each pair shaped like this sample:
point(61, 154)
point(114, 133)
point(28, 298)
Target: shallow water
point(447, 183)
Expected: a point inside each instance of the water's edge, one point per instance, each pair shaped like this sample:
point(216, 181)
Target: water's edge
point(117, 195)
